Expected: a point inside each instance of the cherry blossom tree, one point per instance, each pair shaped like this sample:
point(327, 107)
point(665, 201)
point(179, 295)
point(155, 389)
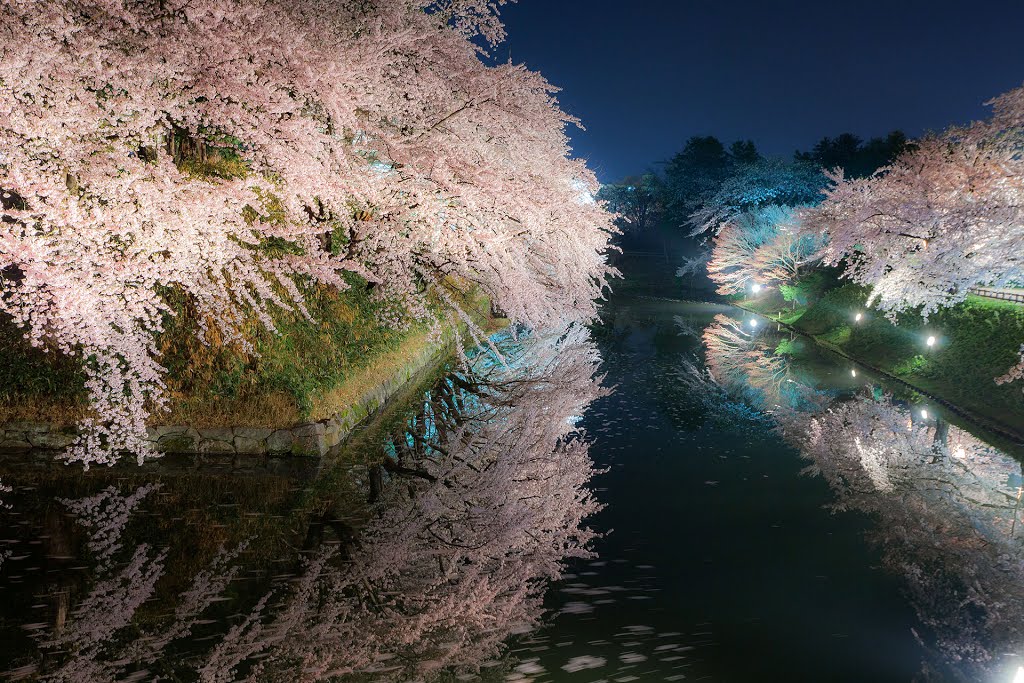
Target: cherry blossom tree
point(359, 137)
point(753, 223)
point(788, 255)
point(749, 248)
point(943, 218)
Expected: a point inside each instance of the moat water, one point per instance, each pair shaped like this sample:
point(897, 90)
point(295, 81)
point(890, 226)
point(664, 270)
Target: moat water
point(761, 510)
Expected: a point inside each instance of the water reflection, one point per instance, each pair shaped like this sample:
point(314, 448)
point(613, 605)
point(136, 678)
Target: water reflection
point(945, 503)
point(475, 507)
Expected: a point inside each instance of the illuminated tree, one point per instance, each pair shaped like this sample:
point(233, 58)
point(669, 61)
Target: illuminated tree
point(785, 258)
point(943, 218)
point(241, 152)
point(735, 263)
point(759, 185)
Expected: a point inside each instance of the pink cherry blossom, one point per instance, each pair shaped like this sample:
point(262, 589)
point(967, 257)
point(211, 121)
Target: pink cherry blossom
point(366, 137)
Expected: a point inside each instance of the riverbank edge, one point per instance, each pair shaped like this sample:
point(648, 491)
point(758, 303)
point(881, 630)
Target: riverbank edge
point(987, 423)
point(310, 439)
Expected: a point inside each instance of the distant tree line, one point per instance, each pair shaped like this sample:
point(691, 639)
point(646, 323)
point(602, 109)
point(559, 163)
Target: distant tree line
point(919, 224)
point(706, 176)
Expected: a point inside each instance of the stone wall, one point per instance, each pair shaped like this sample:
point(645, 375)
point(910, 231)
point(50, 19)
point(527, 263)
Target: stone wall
point(310, 439)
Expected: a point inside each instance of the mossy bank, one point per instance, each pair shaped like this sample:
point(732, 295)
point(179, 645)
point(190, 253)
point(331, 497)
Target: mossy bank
point(974, 343)
point(300, 389)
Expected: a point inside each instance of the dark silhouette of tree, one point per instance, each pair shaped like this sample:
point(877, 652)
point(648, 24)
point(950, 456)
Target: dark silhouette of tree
point(857, 158)
point(694, 174)
point(744, 152)
point(637, 200)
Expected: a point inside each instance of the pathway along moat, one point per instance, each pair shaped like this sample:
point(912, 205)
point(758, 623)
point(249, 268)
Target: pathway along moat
point(791, 519)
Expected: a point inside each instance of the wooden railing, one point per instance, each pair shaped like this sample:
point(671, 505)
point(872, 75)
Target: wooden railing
point(1016, 295)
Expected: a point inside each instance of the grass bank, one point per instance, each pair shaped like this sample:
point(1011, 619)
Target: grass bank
point(306, 371)
point(976, 342)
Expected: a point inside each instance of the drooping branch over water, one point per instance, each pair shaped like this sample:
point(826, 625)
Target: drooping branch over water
point(242, 152)
point(489, 498)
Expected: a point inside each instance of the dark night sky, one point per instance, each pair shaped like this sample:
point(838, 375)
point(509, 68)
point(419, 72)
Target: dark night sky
point(644, 75)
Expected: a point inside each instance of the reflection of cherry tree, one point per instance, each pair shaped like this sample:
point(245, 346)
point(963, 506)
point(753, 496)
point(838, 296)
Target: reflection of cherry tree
point(747, 364)
point(94, 635)
point(946, 518)
point(946, 503)
point(480, 515)
point(476, 509)
point(105, 516)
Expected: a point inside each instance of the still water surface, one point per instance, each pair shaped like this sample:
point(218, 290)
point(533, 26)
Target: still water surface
point(780, 518)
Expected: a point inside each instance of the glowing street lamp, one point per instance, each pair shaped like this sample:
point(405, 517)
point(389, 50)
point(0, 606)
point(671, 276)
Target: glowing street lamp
point(924, 413)
point(858, 317)
point(753, 323)
point(931, 341)
point(756, 288)
point(853, 373)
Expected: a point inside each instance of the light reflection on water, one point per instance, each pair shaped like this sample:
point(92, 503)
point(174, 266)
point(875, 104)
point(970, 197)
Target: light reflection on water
point(444, 553)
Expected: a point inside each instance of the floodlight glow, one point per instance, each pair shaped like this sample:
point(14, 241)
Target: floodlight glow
point(1019, 678)
point(924, 413)
point(756, 288)
point(931, 341)
point(858, 317)
point(853, 373)
point(753, 323)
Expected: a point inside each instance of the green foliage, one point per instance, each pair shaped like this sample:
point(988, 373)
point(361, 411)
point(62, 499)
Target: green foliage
point(910, 366)
point(833, 309)
point(211, 155)
point(811, 287)
point(790, 317)
point(28, 373)
point(979, 341)
point(302, 360)
point(786, 347)
point(838, 335)
point(225, 165)
point(211, 382)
